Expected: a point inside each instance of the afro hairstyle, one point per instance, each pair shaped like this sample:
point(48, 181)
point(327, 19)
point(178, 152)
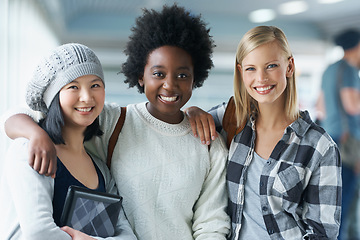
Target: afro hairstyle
point(173, 26)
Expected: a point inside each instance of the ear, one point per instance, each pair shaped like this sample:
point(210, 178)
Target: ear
point(141, 82)
point(290, 68)
point(238, 66)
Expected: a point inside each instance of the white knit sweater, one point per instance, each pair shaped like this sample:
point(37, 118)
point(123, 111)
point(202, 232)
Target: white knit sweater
point(173, 186)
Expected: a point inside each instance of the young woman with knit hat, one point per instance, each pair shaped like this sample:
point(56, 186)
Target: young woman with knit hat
point(173, 186)
point(68, 89)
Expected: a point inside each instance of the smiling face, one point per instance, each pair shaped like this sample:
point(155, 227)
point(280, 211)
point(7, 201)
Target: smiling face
point(168, 82)
point(265, 71)
point(82, 100)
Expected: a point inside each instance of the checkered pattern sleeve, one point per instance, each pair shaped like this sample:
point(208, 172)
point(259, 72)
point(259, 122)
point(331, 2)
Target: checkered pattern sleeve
point(217, 113)
point(322, 196)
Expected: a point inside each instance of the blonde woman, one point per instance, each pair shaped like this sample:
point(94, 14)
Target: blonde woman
point(283, 174)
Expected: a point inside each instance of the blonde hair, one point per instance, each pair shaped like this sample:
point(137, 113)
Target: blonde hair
point(246, 106)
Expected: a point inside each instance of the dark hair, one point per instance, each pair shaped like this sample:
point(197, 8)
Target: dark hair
point(173, 26)
point(348, 39)
point(54, 122)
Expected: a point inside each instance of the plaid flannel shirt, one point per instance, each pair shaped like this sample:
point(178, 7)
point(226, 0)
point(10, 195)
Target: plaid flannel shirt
point(300, 185)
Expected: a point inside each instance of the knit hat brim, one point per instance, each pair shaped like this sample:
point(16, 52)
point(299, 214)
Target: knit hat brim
point(68, 76)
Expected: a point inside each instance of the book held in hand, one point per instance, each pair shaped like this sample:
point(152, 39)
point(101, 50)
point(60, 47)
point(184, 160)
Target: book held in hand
point(91, 212)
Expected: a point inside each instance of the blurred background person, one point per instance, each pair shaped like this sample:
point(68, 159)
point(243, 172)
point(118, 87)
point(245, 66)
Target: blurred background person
point(340, 97)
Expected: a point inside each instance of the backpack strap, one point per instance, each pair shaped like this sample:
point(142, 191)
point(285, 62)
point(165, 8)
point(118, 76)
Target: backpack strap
point(229, 122)
point(114, 136)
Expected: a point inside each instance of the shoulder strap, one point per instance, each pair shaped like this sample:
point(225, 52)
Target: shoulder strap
point(115, 135)
point(229, 122)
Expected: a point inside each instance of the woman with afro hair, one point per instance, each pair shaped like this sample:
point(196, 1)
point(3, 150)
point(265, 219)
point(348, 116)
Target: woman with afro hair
point(173, 187)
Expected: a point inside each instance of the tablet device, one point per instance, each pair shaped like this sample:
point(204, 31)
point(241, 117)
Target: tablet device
point(91, 212)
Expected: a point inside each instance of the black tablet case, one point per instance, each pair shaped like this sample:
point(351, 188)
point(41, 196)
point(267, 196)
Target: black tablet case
point(91, 212)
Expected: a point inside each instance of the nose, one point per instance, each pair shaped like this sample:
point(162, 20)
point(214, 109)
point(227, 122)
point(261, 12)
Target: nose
point(85, 95)
point(169, 82)
point(262, 76)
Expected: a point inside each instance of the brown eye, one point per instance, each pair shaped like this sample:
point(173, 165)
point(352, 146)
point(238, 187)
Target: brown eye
point(158, 74)
point(73, 87)
point(182, 75)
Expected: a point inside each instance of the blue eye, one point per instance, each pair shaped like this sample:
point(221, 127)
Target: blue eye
point(250, 69)
point(272, 65)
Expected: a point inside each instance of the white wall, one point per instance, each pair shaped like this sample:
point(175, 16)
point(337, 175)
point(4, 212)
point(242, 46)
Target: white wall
point(24, 38)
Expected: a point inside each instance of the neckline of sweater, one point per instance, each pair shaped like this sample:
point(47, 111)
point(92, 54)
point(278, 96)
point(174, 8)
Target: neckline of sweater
point(181, 128)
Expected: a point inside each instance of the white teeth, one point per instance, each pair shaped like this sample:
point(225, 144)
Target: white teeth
point(84, 109)
point(168, 99)
point(261, 89)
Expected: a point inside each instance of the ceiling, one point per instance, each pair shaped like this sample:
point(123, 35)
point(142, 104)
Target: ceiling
point(106, 23)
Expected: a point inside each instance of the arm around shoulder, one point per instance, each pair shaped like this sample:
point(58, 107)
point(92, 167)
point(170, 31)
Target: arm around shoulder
point(42, 152)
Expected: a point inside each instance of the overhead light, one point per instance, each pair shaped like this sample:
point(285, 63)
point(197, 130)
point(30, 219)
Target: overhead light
point(329, 1)
point(262, 15)
point(294, 7)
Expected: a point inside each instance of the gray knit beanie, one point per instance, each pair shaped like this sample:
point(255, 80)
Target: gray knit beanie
point(63, 65)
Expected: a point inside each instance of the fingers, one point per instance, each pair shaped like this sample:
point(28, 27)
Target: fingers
point(203, 128)
point(193, 126)
point(202, 124)
point(197, 128)
point(35, 162)
point(212, 127)
point(75, 234)
point(207, 130)
point(42, 157)
point(31, 159)
point(68, 230)
point(52, 168)
point(44, 165)
point(213, 132)
point(200, 131)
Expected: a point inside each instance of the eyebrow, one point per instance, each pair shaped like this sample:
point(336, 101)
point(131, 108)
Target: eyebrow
point(94, 80)
point(157, 66)
point(179, 68)
point(272, 61)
